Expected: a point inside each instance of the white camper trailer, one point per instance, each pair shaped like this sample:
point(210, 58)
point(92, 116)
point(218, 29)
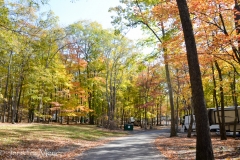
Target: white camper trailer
point(229, 114)
point(187, 121)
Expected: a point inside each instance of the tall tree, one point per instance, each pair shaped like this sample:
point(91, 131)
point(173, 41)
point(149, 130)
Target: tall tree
point(138, 12)
point(204, 145)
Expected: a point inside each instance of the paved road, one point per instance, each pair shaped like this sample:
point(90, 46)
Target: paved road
point(137, 146)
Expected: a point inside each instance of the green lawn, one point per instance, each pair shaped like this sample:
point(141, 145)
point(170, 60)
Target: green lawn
point(32, 140)
point(13, 133)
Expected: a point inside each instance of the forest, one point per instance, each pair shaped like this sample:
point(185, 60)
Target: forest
point(83, 73)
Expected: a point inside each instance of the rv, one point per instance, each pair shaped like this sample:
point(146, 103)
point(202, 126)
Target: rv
point(186, 122)
point(229, 114)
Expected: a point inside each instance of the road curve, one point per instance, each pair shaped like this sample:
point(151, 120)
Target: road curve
point(137, 146)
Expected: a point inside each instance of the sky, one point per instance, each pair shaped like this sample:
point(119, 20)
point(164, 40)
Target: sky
point(93, 10)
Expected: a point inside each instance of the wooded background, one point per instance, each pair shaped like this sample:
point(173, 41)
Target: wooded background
point(84, 73)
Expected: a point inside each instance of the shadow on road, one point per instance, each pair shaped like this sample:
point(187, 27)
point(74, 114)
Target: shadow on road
point(139, 145)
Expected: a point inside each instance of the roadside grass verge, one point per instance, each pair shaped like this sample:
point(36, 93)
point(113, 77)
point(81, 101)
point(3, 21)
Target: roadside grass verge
point(50, 141)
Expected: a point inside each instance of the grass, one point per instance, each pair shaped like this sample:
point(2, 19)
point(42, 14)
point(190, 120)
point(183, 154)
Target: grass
point(36, 138)
point(14, 133)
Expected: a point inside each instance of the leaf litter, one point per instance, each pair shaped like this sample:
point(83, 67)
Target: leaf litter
point(183, 148)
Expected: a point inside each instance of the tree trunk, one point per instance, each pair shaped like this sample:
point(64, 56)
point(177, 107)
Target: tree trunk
point(234, 98)
point(68, 119)
point(16, 101)
point(122, 123)
point(18, 96)
point(10, 103)
point(158, 104)
point(215, 97)
point(90, 103)
point(170, 93)
point(170, 90)
point(222, 128)
point(108, 98)
point(237, 26)
point(5, 105)
point(178, 91)
point(204, 144)
point(160, 114)
point(145, 118)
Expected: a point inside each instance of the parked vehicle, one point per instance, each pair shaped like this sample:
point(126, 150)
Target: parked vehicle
point(229, 114)
point(186, 122)
point(135, 122)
